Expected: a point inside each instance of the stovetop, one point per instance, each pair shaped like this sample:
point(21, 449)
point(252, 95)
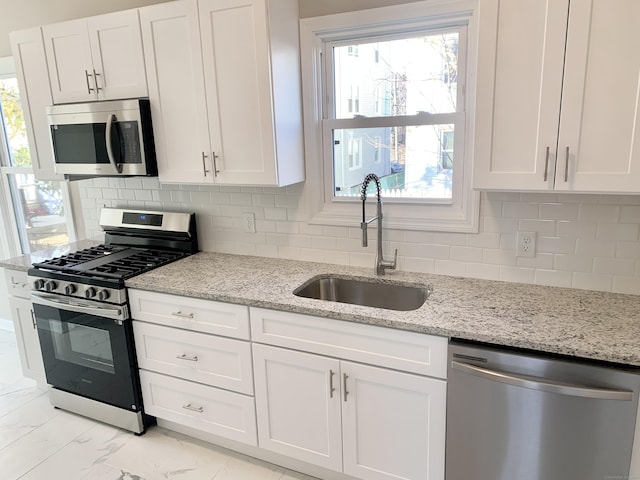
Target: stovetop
point(108, 262)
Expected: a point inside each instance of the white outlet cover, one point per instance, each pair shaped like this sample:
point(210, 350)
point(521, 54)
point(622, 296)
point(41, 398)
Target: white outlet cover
point(526, 244)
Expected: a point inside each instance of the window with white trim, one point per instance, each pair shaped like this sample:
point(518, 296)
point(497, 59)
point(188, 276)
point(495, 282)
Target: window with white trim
point(414, 115)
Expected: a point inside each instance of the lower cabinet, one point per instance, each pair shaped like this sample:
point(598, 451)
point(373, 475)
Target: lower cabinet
point(190, 376)
point(368, 422)
point(337, 399)
point(343, 404)
point(25, 326)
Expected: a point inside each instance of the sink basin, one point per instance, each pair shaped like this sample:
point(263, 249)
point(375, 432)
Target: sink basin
point(391, 296)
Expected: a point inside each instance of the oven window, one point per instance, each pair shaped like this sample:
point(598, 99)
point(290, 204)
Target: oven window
point(82, 345)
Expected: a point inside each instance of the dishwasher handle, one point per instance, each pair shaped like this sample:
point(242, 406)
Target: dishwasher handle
point(544, 385)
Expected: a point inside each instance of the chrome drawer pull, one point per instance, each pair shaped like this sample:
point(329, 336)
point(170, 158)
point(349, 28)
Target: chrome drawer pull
point(332, 389)
point(186, 357)
point(344, 385)
point(182, 315)
point(188, 406)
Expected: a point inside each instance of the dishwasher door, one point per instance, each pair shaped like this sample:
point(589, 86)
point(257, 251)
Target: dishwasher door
point(530, 417)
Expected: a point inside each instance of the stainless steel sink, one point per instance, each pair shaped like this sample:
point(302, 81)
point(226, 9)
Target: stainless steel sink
point(391, 296)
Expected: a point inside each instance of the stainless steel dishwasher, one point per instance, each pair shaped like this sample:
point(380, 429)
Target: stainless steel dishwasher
point(514, 415)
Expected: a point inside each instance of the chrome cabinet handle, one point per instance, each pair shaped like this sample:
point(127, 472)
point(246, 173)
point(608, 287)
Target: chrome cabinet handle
point(344, 385)
point(215, 167)
point(546, 165)
point(542, 384)
point(566, 165)
point(188, 406)
point(87, 75)
point(184, 356)
point(95, 80)
point(204, 164)
point(331, 387)
point(182, 315)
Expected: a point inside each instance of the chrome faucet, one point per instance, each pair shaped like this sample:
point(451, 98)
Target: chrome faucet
point(381, 263)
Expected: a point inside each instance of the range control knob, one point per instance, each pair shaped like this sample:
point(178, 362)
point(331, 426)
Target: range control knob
point(90, 292)
point(50, 285)
point(103, 294)
point(38, 284)
point(70, 289)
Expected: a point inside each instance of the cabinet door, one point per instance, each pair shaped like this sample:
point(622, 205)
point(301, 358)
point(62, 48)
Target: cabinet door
point(600, 124)
point(116, 50)
point(236, 53)
point(298, 405)
point(173, 58)
point(27, 337)
point(393, 424)
point(27, 48)
point(520, 67)
point(69, 61)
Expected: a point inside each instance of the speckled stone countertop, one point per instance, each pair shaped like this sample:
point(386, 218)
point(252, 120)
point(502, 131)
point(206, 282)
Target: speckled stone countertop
point(581, 323)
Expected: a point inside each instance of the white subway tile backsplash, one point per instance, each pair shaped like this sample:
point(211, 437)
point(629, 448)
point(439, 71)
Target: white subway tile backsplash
point(592, 281)
point(559, 211)
point(584, 241)
point(613, 266)
point(599, 213)
point(617, 231)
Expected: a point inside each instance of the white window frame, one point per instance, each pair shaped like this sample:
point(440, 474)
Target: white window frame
point(9, 219)
point(459, 215)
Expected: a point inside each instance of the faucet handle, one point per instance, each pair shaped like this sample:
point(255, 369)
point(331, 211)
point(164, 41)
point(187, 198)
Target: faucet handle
point(395, 260)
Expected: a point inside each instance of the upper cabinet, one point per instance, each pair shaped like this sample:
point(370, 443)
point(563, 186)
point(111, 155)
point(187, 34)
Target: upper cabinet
point(558, 102)
point(96, 58)
point(31, 70)
point(224, 85)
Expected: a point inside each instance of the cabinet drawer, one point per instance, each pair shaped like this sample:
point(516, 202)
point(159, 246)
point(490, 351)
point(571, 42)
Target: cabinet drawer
point(226, 414)
point(216, 361)
point(387, 347)
point(17, 283)
point(206, 316)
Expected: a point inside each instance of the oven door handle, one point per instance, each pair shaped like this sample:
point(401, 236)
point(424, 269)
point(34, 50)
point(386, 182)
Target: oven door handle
point(118, 314)
point(111, 118)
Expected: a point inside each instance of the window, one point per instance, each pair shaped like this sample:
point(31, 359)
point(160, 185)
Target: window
point(413, 118)
point(39, 210)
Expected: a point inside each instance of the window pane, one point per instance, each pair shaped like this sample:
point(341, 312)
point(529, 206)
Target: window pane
point(413, 161)
point(39, 207)
point(14, 125)
point(396, 77)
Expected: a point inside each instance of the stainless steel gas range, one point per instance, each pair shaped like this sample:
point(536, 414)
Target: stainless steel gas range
point(81, 311)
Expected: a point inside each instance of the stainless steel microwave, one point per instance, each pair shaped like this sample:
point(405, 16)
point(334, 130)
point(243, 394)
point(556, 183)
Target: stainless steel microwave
point(110, 138)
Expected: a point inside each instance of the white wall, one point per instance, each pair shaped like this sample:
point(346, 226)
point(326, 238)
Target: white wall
point(33, 13)
point(583, 241)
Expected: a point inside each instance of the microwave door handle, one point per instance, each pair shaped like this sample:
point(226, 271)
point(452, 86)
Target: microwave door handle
point(112, 159)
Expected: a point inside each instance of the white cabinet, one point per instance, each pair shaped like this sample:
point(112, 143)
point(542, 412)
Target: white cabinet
point(298, 405)
point(224, 85)
point(557, 104)
point(25, 326)
point(367, 421)
point(189, 375)
point(27, 48)
point(96, 58)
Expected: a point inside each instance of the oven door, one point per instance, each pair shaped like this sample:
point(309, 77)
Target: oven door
point(87, 348)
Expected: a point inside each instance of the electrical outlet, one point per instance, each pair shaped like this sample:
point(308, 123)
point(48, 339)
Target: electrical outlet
point(526, 244)
point(249, 222)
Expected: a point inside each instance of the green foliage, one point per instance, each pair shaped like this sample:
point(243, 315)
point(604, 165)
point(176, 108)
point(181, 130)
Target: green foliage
point(14, 122)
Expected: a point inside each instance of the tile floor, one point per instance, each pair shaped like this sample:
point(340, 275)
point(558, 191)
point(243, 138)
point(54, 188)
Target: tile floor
point(38, 442)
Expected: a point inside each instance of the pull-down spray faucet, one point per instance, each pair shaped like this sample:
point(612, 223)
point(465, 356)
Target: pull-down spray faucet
point(381, 263)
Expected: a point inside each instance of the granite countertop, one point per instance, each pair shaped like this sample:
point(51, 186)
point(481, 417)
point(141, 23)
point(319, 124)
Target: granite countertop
point(582, 323)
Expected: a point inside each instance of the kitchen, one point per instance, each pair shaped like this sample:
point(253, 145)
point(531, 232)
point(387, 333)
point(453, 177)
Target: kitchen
point(583, 241)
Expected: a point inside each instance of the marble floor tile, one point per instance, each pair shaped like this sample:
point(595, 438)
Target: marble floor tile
point(39, 442)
